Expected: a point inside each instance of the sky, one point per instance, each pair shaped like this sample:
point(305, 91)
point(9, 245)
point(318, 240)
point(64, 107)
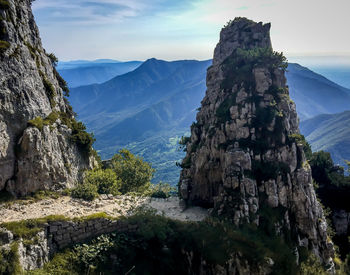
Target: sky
point(187, 29)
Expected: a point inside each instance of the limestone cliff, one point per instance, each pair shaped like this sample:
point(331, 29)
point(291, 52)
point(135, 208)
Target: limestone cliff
point(244, 157)
point(41, 145)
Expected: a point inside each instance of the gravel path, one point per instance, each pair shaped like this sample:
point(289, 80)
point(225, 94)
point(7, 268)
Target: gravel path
point(113, 206)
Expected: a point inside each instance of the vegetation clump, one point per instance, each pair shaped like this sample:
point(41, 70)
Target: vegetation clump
point(97, 182)
point(85, 191)
point(183, 142)
point(134, 173)
point(83, 139)
point(128, 174)
point(238, 67)
point(61, 82)
point(4, 45)
point(4, 4)
point(49, 88)
point(53, 58)
point(300, 139)
point(79, 135)
point(39, 123)
point(9, 260)
point(162, 190)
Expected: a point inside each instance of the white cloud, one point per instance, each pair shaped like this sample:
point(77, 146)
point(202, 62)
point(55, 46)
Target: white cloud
point(169, 29)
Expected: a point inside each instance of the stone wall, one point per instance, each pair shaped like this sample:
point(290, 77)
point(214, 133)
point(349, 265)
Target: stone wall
point(57, 235)
point(65, 233)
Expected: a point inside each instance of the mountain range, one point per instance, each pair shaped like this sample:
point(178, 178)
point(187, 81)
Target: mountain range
point(148, 109)
point(81, 72)
point(331, 133)
point(314, 94)
point(338, 74)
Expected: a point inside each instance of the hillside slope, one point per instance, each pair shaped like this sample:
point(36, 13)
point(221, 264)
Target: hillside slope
point(146, 110)
point(315, 94)
point(331, 133)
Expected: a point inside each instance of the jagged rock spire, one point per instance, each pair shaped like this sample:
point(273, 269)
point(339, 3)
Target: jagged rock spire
point(244, 158)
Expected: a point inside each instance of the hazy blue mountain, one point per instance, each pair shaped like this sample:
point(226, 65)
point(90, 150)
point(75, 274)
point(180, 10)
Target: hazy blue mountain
point(314, 94)
point(335, 68)
point(329, 133)
point(78, 73)
point(146, 110)
point(83, 63)
point(340, 75)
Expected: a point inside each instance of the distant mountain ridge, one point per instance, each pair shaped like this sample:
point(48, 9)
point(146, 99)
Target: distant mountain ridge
point(314, 94)
point(78, 73)
point(331, 133)
point(150, 108)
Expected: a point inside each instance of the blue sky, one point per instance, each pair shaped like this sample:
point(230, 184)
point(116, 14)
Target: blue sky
point(186, 29)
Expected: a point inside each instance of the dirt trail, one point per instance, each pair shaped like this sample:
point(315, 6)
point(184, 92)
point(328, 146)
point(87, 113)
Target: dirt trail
point(113, 206)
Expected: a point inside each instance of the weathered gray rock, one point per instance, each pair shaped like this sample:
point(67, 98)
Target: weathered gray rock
point(6, 236)
point(243, 156)
point(30, 87)
point(341, 221)
point(35, 255)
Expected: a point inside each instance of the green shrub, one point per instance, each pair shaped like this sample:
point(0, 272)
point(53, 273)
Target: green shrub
point(312, 266)
point(183, 142)
point(4, 45)
point(105, 180)
point(79, 135)
point(4, 4)
point(93, 254)
point(186, 162)
point(63, 263)
point(49, 88)
point(162, 190)
point(53, 59)
point(300, 139)
point(83, 139)
point(223, 111)
point(238, 67)
point(63, 84)
point(134, 173)
point(37, 122)
point(9, 260)
point(85, 191)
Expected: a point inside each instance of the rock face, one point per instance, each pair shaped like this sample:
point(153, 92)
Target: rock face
point(341, 221)
point(244, 157)
point(32, 158)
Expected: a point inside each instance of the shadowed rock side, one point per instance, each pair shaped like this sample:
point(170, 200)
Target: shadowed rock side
point(243, 158)
point(44, 156)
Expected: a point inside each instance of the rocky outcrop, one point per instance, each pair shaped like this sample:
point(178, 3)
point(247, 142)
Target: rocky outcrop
point(41, 154)
point(245, 156)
